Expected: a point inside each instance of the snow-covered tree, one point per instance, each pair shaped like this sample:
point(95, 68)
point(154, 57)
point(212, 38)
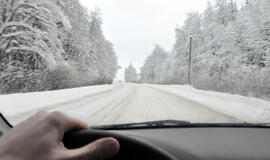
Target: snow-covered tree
point(131, 74)
point(77, 43)
point(30, 40)
point(180, 38)
point(29, 30)
point(52, 44)
point(193, 26)
point(152, 69)
point(105, 58)
point(230, 50)
point(225, 11)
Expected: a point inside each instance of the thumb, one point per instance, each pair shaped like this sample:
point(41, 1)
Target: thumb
point(98, 150)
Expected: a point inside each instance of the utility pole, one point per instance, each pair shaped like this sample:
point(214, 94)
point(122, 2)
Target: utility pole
point(189, 60)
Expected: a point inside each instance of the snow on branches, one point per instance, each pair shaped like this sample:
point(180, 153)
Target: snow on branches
point(131, 74)
point(230, 50)
point(40, 38)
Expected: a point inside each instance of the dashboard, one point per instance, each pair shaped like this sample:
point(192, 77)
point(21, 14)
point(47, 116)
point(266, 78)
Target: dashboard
point(189, 143)
point(208, 143)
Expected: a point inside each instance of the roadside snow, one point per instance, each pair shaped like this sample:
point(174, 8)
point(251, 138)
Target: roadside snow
point(240, 107)
point(125, 102)
point(15, 104)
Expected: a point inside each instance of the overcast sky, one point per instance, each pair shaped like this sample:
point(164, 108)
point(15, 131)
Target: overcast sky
point(135, 26)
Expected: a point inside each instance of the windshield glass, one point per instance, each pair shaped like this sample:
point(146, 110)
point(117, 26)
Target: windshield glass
point(130, 61)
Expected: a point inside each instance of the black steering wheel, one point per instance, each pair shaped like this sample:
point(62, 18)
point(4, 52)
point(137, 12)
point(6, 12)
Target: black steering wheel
point(131, 148)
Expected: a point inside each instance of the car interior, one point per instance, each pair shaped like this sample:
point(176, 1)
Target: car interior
point(176, 142)
point(168, 79)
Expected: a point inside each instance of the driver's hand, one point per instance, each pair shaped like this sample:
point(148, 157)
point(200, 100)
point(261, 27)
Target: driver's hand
point(40, 138)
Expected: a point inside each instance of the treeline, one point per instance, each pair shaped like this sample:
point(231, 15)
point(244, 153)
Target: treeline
point(52, 44)
point(131, 74)
point(230, 50)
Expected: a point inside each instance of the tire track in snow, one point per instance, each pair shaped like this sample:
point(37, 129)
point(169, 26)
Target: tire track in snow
point(112, 110)
point(130, 103)
point(150, 104)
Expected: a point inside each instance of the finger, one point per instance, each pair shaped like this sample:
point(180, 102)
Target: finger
point(66, 123)
point(98, 150)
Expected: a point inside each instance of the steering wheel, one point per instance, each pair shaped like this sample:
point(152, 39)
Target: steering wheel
point(131, 148)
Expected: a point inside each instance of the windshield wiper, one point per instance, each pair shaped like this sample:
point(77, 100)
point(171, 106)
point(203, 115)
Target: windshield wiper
point(179, 124)
point(153, 124)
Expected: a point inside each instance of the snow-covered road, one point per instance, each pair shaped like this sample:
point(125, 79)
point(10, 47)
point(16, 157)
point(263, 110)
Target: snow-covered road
point(127, 103)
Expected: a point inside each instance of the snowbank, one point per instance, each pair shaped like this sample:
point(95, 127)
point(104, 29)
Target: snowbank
point(240, 107)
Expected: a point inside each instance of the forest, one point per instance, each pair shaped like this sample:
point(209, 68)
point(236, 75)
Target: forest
point(52, 44)
point(57, 44)
point(230, 50)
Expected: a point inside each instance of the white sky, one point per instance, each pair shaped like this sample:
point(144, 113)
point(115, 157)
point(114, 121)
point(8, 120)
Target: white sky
point(135, 26)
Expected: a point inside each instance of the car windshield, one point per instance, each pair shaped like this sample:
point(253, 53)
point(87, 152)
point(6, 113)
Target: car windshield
point(110, 62)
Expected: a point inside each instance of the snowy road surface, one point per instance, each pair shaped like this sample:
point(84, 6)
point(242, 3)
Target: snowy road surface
point(127, 103)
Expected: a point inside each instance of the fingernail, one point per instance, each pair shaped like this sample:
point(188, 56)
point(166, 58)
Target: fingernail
point(112, 147)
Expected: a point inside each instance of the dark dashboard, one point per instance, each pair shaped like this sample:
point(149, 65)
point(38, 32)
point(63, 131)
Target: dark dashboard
point(184, 143)
point(208, 143)
point(180, 143)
